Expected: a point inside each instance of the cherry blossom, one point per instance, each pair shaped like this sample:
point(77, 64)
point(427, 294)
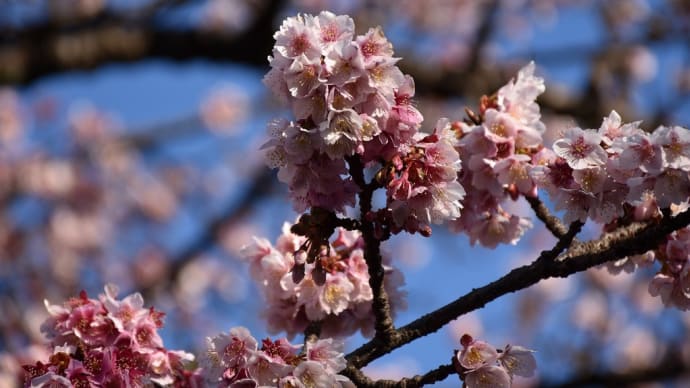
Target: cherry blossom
point(234, 360)
point(580, 148)
point(518, 361)
point(481, 365)
point(422, 185)
point(349, 98)
point(342, 302)
point(497, 148)
point(108, 341)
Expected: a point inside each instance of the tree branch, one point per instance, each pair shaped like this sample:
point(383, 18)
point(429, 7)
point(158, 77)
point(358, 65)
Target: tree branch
point(631, 240)
point(432, 376)
point(380, 305)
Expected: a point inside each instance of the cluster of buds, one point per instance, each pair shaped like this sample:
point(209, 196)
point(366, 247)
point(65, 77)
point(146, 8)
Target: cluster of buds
point(108, 342)
point(481, 365)
point(235, 360)
point(338, 294)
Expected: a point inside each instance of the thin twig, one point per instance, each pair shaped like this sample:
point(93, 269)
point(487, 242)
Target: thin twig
point(552, 223)
point(435, 375)
point(384, 326)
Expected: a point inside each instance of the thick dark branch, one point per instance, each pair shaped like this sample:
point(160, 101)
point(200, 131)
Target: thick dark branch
point(631, 240)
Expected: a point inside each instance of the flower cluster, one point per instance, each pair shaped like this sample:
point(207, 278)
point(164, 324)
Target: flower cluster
point(342, 90)
point(350, 99)
point(108, 342)
point(481, 365)
point(498, 149)
point(235, 360)
point(422, 184)
point(592, 172)
point(342, 301)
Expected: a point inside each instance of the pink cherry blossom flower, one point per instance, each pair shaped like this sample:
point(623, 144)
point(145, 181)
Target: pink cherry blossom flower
point(123, 313)
point(424, 189)
point(484, 176)
point(499, 127)
point(233, 349)
point(117, 344)
point(297, 37)
point(580, 148)
point(576, 203)
point(278, 364)
point(518, 98)
point(403, 109)
point(344, 64)
point(304, 76)
point(630, 263)
point(476, 355)
point(638, 151)
point(384, 78)
point(266, 370)
point(671, 291)
point(319, 183)
point(514, 170)
point(341, 133)
point(518, 361)
point(591, 179)
point(675, 142)
point(671, 187)
point(334, 298)
point(374, 46)
point(488, 376)
point(498, 227)
point(312, 373)
point(333, 29)
point(50, 380)
point(481, 365)
point(328, 352)
point(613, 128)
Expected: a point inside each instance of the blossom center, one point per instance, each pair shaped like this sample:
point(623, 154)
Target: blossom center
point(299, 45)
point(581, 148)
